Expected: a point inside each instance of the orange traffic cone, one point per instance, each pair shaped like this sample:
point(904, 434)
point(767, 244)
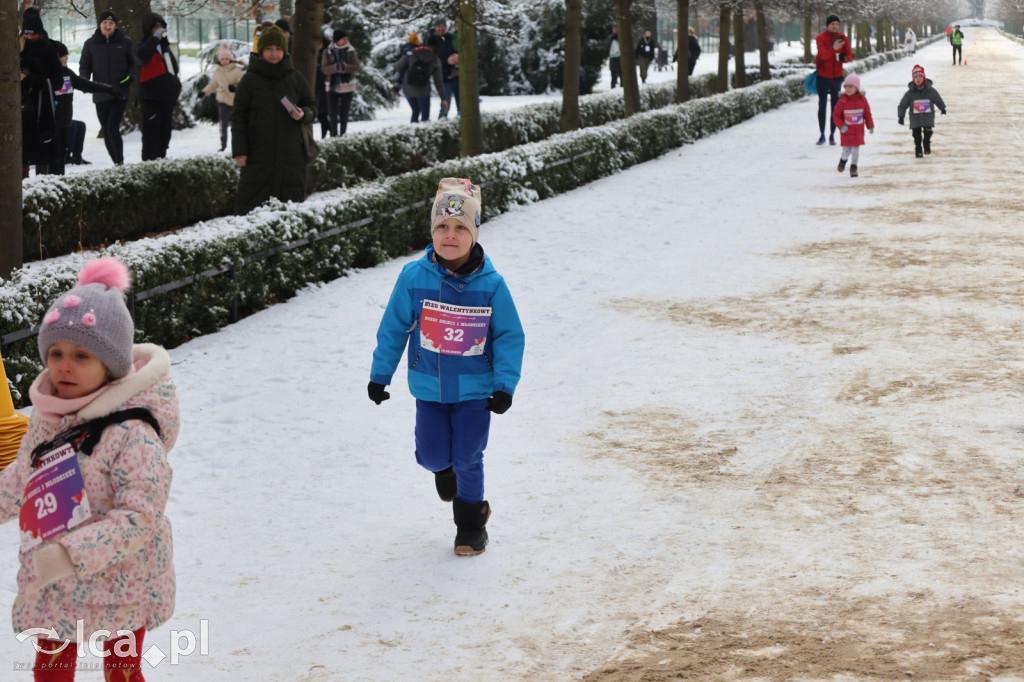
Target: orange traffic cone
point(12, 424)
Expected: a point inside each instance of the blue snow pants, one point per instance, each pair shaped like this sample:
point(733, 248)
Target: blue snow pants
point(454, 435)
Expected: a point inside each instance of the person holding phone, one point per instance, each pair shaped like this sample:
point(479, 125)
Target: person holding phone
point(159, 86)
point(272, 103)
point(833, 51)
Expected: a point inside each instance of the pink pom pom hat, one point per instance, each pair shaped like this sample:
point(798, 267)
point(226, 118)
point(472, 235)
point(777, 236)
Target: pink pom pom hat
point(94, 316)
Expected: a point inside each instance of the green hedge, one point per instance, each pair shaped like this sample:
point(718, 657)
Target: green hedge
point(236, 283)
point(63, 214)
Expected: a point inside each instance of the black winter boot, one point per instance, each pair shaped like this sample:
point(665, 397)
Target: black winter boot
point(445, 483)
point(842, 165)
point(853, 170)
point(470, 519)
point(927, 142)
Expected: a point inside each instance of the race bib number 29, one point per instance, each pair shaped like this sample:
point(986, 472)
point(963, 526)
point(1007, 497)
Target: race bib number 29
point(454, 329)
point(922, 106)
point(54, 499)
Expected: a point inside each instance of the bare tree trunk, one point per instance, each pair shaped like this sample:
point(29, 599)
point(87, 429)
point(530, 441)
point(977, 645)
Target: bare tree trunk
point(880, 37)
point(683, 48)
point(740, 47)
point(469, 82)
point(11, 251)
point(630, 88)
point(306, 37)
point(570, 119)
point(808, 39)
point(762, 40)
point(724, 18)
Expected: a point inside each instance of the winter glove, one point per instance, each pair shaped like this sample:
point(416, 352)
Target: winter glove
point(844, 129)
point(499, 402)
point(377, 392)
point(118, 92)
point(900, 120)
point(943, 111)
point(52, 564)
point(871, 130)
point(232, 88)
point(842, 57)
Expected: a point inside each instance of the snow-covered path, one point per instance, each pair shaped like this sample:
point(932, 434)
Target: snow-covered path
point(768, 428)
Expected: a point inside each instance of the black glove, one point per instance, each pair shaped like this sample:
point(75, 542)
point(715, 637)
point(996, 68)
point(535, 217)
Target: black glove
point(499, 402)
point(900, 120)
point(232, 88)
point(842, 57)
point(943, 111)
point(118, 92)
point(379, 395)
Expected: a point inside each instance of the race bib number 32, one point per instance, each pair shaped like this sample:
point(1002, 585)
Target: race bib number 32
point(454, 329)
point(54, 499)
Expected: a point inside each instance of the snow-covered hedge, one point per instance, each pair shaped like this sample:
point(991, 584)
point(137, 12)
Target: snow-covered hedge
point(236, 265)
point(65, 213)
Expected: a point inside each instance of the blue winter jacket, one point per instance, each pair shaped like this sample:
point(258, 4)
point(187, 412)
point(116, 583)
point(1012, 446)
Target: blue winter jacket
point(438, 377)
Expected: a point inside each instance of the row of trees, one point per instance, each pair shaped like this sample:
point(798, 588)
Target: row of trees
point(571, 32)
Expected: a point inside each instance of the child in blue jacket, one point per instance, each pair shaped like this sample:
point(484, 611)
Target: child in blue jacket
point(464, 357)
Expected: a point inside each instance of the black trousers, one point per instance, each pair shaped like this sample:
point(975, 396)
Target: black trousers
point(110, 114)
point(338, 105)
point(827, 88)
point(958, 51)
point(156, 128)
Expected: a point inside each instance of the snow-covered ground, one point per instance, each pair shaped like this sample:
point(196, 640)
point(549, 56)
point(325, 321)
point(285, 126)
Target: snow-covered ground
point(768, 428)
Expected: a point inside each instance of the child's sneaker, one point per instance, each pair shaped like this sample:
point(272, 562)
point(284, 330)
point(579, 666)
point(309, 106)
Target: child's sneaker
point(842, 165)
point(853, 170)
point(446, 484)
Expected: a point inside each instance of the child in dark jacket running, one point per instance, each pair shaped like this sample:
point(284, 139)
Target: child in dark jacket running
point(852, 115)
point(921, 98)
point(465, 343)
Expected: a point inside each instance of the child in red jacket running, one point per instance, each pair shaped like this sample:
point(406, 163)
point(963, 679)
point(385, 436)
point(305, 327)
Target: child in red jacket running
point(851, 115)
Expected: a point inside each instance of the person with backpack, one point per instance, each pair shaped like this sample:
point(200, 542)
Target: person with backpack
point(339, 62)
point(420, 67)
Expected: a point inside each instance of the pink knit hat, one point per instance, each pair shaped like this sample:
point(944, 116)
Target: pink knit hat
point(225, 53)
point(853, 80)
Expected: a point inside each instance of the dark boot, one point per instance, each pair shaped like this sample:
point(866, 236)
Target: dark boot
point(917, 143)
point(853, 170)
point(842, 165)
point(445, 483)
point(927, 142)
point(470, 519)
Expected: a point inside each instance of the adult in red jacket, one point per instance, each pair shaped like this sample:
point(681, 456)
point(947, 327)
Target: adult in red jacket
point(833, 51)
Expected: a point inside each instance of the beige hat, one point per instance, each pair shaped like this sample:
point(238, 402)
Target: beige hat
point(457, 198)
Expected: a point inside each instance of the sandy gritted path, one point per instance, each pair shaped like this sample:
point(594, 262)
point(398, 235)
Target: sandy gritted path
point(869, 513)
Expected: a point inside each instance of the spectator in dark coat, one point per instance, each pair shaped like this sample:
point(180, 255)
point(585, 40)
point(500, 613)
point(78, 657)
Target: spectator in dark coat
point(107, 58)
point(644, 53)
point(159, 86)
point(266, 137)
point(41, 78)
point(65, 110)
point(418, 94)
point(448, 51)
point(694, 46)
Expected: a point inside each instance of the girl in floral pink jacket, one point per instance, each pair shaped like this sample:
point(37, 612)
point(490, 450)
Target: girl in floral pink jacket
point(91, 482)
